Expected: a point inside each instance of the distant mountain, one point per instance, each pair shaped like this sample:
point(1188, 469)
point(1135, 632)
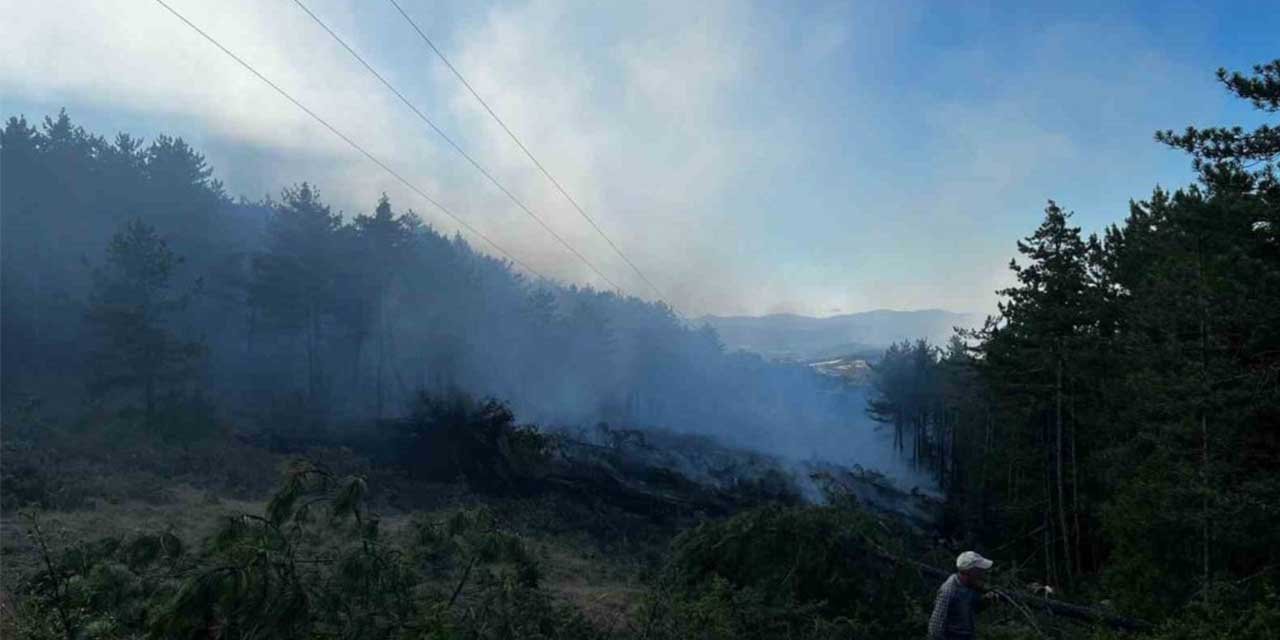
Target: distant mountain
point(804, 338)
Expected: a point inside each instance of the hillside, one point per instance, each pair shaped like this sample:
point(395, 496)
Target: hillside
point(805, 338)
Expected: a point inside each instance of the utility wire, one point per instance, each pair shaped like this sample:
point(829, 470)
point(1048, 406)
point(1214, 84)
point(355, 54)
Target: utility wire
point(349, 141)
point(460, 150)
point(525, 149)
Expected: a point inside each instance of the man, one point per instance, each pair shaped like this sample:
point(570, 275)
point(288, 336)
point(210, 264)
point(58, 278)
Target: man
point(959, 599)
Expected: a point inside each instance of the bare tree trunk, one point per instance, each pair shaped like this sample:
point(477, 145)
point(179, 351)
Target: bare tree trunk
point(1204, 425)
point(982, 471)
point(1075, 493)
point(382, 353)
point(1062, 503)
point(1204, 503)
point(1050, 576)
point(915, 441)
point(986, 441)
point(252, 332)
point(899, 431)
point(149, 391)
point(1013, 486)
point(944, 432)
point(313, 344)
point(357, 359)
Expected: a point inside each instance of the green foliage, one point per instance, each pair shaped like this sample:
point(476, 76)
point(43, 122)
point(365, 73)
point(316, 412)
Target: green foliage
point(130, 309)
point(1233, 146)
point(66, 193)
point(454, 435)
point(1233, 614)
point(907, 383)
point(1113, 427)
point(295, 281)
point(807, 572)
point(316, 563)
point(189, 417)
point(103, 589)
point(387, 241)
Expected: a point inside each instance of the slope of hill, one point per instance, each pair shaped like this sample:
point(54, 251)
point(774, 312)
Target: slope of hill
point(787, 336)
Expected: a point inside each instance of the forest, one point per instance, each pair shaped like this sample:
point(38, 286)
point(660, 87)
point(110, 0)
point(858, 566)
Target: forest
point(232, 418)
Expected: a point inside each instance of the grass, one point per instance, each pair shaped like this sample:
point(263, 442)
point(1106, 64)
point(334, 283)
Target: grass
point(80, 490)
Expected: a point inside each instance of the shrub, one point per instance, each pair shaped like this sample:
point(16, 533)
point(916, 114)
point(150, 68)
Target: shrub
point(315, 563)
point(454, 436)
point(778, 571)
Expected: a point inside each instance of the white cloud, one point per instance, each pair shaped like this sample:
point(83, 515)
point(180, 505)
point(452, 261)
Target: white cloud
point(640, 131)
point(135, 55)
point(638, 135)
point(674, 124)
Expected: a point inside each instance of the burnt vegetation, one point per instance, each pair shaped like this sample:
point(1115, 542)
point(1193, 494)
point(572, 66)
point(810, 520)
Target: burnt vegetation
point(1110, 433)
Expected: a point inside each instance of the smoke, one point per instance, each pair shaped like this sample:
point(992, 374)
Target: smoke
point(597, 358)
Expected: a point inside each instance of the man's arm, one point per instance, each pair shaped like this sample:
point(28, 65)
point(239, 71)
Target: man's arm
point(941, 608)
point(988, 599)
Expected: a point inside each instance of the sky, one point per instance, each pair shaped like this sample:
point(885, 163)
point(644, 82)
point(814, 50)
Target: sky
point(751, 158)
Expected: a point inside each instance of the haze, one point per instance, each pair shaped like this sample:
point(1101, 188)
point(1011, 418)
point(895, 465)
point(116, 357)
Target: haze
point(749, 158)
point(639, 320)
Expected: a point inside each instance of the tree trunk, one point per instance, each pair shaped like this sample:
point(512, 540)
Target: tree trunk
point(1050, 546)
point(1062, 503)
point(1050, 576)
point(252, 330)
point(313, 343)
point(383, 329)
point(1204, 504)
point(1075, 493)
point(357, 357)
point(1204, 423)
point(149, 391)
point(981, 511)
point(899, 427)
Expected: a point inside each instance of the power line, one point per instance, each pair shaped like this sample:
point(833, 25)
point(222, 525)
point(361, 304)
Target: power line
point(349, 141)
point(460, 150)
point(525, 149)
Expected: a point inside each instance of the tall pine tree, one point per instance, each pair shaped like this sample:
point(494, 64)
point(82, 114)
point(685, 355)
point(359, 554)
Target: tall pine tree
point(130, 307)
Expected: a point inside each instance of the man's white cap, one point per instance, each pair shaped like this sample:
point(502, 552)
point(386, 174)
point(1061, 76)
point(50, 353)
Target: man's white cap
point(970, 560)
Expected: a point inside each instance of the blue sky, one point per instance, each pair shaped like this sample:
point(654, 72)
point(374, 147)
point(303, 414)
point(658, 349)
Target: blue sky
point(751, 157)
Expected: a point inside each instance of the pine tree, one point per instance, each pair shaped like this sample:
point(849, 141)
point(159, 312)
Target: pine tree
point(129, 309)
point(1031, 359)
point(1216, 149)
point(1198, 335)
point(383, 242)
point(294, 286)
